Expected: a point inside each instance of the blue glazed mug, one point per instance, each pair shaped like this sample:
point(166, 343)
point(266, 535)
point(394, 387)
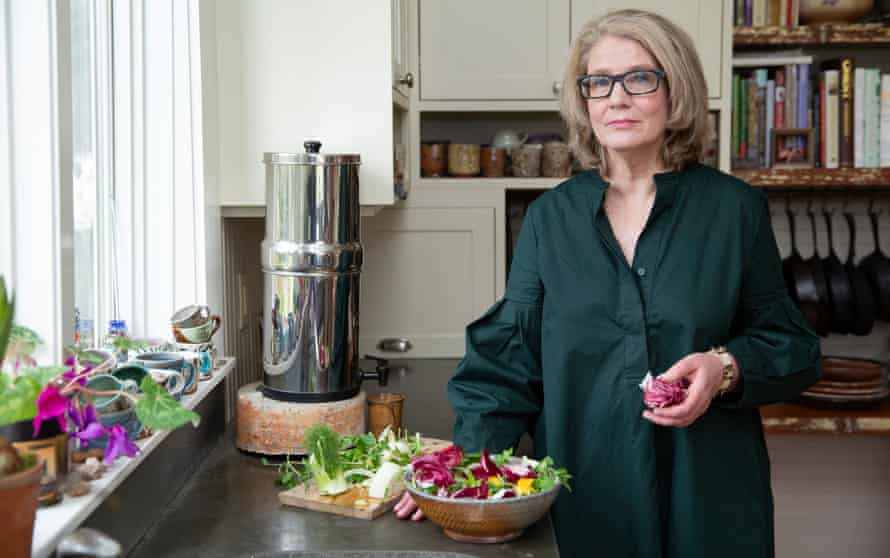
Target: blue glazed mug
point(106, 382)
point(170, 362)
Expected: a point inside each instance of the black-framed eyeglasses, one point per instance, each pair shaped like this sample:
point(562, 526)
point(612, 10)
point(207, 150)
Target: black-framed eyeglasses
point(635, 82)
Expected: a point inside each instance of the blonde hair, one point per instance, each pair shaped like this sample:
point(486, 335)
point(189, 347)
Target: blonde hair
point(673, 51)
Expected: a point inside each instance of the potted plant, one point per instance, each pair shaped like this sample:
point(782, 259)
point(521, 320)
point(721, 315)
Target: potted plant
point(19, 485)
point(56, 401)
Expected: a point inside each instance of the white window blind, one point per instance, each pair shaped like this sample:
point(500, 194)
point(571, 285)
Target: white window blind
point(153, 214)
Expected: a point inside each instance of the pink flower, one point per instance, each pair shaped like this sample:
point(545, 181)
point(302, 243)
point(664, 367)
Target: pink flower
point(50, 404)
point(657, 393)
point(72, 372)
point(118, 444)
point(87, 427)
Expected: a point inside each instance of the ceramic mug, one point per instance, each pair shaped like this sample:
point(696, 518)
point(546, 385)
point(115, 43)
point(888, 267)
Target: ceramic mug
point(192, 315)
point(200, 333)
point(173, 380)
point(107, 382)
point(170, 361)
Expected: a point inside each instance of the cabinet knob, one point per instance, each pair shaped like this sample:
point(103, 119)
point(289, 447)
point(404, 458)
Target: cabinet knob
point(557, 87)
point(407, 79)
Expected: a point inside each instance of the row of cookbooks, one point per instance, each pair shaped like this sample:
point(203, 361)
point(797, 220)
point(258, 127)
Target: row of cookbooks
point(846, 107)
point(761, 13)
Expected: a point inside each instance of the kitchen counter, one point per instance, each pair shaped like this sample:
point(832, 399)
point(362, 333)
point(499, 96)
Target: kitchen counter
point(229, 507)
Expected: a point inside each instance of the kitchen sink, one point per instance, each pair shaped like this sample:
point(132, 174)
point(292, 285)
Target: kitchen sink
point(361, 554)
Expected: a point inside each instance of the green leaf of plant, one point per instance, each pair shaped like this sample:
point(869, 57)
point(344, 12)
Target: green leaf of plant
point(18, 398)
point(159, 411)
point(43, 374)
point(7, 311)
point(82, 355)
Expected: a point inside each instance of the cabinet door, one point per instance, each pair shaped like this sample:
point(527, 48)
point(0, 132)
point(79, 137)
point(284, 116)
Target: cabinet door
point(427, 274)
point(495, 49)
point(286, 73)
point(399, 45)
point(702, 19)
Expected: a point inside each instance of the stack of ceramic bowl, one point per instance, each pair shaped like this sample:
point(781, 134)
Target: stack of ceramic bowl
point(193, 328)
point(849, 381)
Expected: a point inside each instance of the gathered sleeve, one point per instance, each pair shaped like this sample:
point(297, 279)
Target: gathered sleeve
point(776, 351)
point(496, 391)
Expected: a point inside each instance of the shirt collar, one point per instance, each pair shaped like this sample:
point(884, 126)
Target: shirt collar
point(667, 186)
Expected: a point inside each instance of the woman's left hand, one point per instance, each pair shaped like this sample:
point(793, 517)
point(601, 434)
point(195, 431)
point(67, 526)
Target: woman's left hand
point(704, 371)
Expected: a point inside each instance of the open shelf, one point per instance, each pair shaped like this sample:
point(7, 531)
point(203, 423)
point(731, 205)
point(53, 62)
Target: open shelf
point(798, 418)
point(815, 178)
point(834, 34)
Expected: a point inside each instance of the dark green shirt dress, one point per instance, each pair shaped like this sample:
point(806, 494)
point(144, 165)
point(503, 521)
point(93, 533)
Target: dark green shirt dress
point(562, 354)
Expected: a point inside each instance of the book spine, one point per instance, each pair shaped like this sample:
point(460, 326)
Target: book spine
point(749, 17)
point(772, 16)
point(780, 99)
point(743, 116)
point(770, 118)
point(816, 124)
point(823, 145)
point(873, 154)
point(845, 114)
point(783, 13)
point(753, 129)
point(736, 114)
point(760, 114)
point(759, 13)
point(885, 120)
point(791, 96)
point(795, 13)
point(858, 117)
point(832, 133)
point(740, 13)
point(803, 95)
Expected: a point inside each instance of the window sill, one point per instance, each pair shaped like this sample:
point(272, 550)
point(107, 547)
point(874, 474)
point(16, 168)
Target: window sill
point(54, 522)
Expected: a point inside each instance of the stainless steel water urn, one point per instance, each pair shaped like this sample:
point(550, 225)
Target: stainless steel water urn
point(312, 261)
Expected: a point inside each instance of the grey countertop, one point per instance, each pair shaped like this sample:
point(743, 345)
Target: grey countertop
point(229, 508)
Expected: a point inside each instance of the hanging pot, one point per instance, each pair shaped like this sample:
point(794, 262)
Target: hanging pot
point(877, 269)
point(863, 298)
point(799, 280)
point(840, 293)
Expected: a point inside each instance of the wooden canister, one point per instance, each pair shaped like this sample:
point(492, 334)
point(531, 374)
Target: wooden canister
point(433, 158)
point(463, 159)
point(493, 161)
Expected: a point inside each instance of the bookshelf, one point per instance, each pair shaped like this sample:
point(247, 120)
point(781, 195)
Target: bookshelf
point(831, 78)
point(805, 179)
point(836, 34)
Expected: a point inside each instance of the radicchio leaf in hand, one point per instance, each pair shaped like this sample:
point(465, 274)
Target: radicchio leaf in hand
point(658, 394)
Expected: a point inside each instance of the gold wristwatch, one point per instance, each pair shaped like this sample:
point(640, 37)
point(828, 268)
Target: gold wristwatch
point(729, 369)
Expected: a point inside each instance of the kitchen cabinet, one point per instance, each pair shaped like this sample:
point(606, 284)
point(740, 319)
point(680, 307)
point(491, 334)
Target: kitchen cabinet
point(492, 50)
point(702, 19)
point(290, 71)
point(428, 272)
point(402, 78)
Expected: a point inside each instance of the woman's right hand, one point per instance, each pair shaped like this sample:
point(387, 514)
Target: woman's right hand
point(406, 507)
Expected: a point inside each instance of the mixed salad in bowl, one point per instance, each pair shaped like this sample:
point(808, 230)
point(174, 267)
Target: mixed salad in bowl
point(451, 473)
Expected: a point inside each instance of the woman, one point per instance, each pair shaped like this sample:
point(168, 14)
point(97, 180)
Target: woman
point(650, 261)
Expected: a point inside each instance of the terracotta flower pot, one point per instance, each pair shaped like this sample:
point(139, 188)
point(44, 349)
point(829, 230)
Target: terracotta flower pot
point(51, 445)
point(19, 494)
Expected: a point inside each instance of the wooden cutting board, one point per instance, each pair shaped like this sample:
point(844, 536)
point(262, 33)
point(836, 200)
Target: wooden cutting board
point(355, 502)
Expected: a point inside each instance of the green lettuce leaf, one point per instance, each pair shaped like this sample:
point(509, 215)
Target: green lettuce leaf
point(159, 411)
